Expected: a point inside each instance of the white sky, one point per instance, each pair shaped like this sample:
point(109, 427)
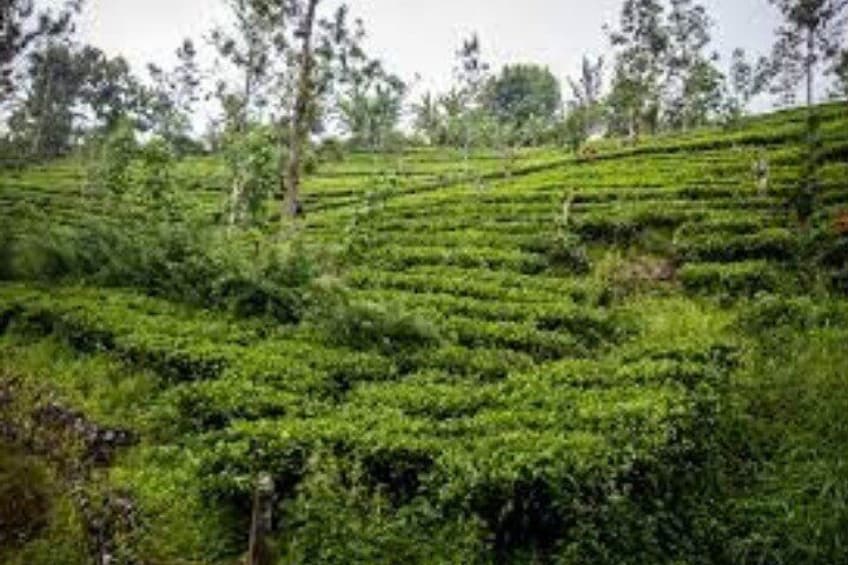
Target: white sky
point(421, 36)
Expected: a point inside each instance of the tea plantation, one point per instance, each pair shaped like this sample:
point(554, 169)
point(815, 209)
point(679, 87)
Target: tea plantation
point(632, 355)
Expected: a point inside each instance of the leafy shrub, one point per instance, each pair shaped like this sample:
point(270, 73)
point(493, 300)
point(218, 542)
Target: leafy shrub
point(337, 518)
point(171, 260)
point(830, 252)
point(155, 180)
point(733, 279)
point(123, 169)
point(770, 313)
point(771, 244)
point(253, 161)
point(367, 325)
point(331, 149)
point(626, 225)
point(568, 252)
point(111, 169)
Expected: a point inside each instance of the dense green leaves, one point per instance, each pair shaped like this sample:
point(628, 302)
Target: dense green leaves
point(520, 368)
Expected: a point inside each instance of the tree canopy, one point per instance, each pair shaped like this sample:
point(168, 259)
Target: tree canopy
point(520, 93)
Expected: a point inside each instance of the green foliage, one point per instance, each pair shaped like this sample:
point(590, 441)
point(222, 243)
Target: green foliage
point(365, 325)
point(173, 260)
point(794, 510)
point(772, 244)
point(802, 313)
point(156, 182)
point(575, 128)
point(804, 198)
point(6, 253)
point(841, 71)
point(371, 109)
point(442, 389)
point(568, 252)
point(827, 251)
point(111, 169)
point(331, 150)
point(24, 498)
point(253, 161)
point(734, 279)
point(338, 517)
point(178, 525)
point(38, 521)
point(642, 42)
point(521, 93)
point(123, 170)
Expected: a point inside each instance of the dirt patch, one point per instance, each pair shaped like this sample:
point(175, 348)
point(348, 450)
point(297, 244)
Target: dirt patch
point(646, 269)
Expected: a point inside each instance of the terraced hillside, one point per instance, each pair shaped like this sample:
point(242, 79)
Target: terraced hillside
point(536, 359)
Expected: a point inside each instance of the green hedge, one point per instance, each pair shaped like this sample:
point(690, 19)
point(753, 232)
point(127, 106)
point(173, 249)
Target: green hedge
point(733, 279)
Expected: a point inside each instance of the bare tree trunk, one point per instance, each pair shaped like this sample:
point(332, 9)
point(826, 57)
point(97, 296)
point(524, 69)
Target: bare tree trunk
point(301, 115)
point(810, 64)
point(261, 521)
point(235, 200)
point(241, 129)
point(37, 147)
point(633, 127)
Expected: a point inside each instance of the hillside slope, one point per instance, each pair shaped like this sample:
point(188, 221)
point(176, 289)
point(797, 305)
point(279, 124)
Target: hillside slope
point(539, 359)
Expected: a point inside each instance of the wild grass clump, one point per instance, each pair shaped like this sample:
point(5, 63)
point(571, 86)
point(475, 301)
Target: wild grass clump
point(177, 261)
point(568, 252)
point(368, 325)
point(38, 522)
point(792, 456)
point(337, 517)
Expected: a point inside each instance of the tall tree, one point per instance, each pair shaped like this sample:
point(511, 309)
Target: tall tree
point(46, 117)
point(587, 89)
point(369, 98)
point(308, 45)
point(841, 71)
point(69, 91)
point(641, 44)
point(22, 24)
point(745, 80)
point(811, 34)
point(471, 70)
point(304, 106)
point(110, 92)
point(585, 107)
point(174, 95)
point(247, 46)
point(693, 84)
point(520, 93)
point(428, 119)
point(465, 105)
point(371, 108)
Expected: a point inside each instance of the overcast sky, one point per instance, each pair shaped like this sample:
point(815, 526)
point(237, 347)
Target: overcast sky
point(419, 37)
